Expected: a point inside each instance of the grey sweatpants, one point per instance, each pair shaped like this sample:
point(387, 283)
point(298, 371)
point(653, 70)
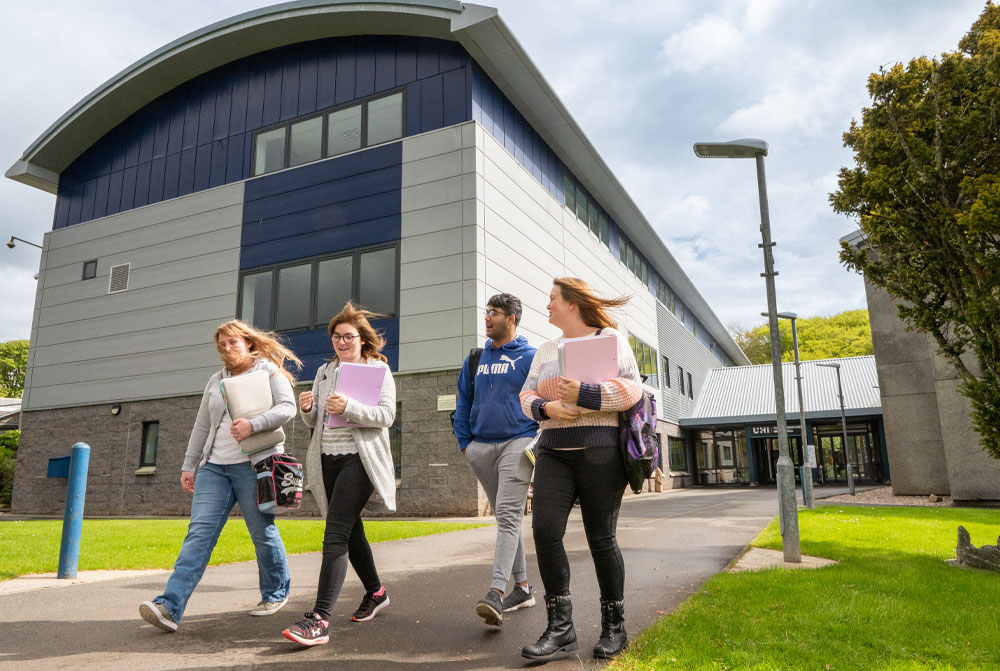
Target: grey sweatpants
point(504, 471)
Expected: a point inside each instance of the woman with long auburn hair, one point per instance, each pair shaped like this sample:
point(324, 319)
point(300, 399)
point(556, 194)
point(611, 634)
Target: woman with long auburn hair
point(578, 457)
point(225, 475)
point(344, 467)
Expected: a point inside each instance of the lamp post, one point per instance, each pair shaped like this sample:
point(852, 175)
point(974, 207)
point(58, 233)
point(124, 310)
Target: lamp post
point(805, 471)
point(843, 425)
point(11, 245)
point(789, 515)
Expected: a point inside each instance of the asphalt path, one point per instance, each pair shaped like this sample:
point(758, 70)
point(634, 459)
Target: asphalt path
point(672, 542)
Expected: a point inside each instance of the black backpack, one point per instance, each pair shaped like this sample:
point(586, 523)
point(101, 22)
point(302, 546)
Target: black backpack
point(474, 355)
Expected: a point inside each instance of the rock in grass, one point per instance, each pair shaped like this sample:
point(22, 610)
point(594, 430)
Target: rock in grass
point(985, 557)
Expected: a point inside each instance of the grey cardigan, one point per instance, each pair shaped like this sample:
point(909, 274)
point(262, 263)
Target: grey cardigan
point(213, 407)
point(372, 439)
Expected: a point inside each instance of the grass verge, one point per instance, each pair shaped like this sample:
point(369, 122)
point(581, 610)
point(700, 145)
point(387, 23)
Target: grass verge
point(892, 603)
point(33, 546)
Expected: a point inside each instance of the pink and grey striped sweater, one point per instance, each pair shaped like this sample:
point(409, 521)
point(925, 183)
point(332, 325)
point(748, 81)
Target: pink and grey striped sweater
point(591, 429)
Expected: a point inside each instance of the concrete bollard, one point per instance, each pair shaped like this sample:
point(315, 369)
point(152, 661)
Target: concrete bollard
point(76, 491)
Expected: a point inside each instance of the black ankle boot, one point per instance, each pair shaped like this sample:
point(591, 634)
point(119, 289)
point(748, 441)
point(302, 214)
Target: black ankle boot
point(613, 636)
point(559, 636)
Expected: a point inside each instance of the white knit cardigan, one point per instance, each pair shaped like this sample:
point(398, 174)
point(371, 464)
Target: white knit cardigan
point(372, 439)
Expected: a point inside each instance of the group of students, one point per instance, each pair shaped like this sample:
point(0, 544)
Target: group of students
point(511, 402)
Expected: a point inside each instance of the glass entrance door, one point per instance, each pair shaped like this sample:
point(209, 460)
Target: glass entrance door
point(833, 460)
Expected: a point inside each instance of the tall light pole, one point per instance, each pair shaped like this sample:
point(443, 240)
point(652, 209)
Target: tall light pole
point(808, 450)
point(843, 425)
point(789, 514)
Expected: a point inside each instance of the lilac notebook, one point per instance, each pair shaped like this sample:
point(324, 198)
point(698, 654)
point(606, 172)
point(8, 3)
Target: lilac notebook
point(361, 382)
point(590, 358)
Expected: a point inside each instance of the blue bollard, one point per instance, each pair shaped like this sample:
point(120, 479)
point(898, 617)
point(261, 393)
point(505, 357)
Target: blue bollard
point(76, 491)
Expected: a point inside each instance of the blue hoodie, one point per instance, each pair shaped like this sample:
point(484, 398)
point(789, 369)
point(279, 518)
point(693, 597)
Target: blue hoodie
point(495, 415)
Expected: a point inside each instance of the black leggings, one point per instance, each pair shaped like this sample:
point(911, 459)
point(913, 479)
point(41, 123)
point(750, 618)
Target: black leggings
point(597, 476)
point(348, 489)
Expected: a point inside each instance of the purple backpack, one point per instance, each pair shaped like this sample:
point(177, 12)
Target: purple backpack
point(638, 441)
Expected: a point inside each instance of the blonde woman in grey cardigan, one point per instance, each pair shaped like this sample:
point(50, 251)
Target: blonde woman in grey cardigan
point(225, 476)
point(344, 467)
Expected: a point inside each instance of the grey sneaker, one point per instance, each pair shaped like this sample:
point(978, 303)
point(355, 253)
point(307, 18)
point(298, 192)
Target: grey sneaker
point(267, 608)
point(518, 598)
point(157, 615)
point(490, 608)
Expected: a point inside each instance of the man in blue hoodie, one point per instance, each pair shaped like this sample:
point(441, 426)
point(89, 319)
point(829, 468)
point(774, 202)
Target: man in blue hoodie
point(493, 433)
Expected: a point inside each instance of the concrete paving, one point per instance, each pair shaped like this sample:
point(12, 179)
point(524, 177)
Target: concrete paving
point(672, 542)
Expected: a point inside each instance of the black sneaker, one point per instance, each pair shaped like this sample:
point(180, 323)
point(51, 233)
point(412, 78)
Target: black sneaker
point(312, 630)
point(370, 605)
point(518, 598)
point(490, 608)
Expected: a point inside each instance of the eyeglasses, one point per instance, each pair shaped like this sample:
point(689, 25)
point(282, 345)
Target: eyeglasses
point(495, 313)
point(347, 338)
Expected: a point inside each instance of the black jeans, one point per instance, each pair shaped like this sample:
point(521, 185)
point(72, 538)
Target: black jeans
point(348, 489)
point(597, 476)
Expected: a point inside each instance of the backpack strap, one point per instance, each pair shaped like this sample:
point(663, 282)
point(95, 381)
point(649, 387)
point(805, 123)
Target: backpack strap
point(475, 354)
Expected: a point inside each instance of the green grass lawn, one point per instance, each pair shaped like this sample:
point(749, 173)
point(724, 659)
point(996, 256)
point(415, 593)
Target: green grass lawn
point(33, 546)
point(891, 603)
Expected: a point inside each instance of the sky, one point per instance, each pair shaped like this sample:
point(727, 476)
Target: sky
point(644, 80)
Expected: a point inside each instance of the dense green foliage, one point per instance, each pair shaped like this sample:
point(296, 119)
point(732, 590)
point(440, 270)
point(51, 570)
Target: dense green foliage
point(33, 546)
point(844, 334)
point(926, 193)
point(890, 603)
point(13, 364)
point(8, 454)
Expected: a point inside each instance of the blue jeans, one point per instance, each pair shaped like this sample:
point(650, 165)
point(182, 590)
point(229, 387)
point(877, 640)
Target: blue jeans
point(216, 489)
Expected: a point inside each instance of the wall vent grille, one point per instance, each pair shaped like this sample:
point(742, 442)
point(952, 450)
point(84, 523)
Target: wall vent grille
point(119, 278)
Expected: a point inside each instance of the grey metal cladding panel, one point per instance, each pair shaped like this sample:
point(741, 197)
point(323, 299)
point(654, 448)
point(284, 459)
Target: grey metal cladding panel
point(133, 300)
point(147, 363)
point(216, 308)
point(160, 385)
point(173, 232)
point(152, 267)
point(147, 340)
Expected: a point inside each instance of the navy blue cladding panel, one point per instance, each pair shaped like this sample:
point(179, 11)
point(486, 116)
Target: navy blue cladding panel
point(87, 205)
point(364, 69)
point(346, 71)
point(290, 83)
point(385, 64)
point(200, 134)
point(142, 175)
point(431, 104)
point(323, 207)
point(307, 79)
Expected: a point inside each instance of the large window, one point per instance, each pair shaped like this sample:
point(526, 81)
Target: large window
point(306, 294)
point(366, 123)
point(586, 210)
point(646, 357)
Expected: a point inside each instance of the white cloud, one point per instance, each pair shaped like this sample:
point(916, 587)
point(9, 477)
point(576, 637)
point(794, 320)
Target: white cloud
point(708, 42)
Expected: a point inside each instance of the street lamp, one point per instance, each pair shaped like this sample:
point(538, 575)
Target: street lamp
point(11, 245)
point(789, 514)
point(808, 451)
point(843, 424)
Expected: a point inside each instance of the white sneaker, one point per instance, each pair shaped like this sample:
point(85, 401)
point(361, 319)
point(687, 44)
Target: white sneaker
point(157, 615)
point(267, 608)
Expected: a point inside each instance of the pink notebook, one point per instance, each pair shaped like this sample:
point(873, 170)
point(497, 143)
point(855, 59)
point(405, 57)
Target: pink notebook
point(590, 358)
point(361, 382)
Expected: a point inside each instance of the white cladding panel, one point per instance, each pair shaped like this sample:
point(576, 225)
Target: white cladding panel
point(154, 339)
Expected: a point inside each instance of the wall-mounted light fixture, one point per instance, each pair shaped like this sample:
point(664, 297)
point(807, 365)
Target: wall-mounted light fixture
point(116, 408)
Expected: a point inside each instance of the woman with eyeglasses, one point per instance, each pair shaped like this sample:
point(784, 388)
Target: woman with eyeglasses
point(344, 467)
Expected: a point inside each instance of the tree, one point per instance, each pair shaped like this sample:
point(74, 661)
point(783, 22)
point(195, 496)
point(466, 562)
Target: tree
point(840, 335)
point(13, 364)
point(925, 191)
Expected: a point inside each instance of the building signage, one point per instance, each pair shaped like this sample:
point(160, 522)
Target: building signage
point(769, 429)
point(811, 456)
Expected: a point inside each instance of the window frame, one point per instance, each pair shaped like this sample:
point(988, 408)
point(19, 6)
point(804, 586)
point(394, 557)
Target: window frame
point(315, 320)
point(324, 114)
point(144, 462)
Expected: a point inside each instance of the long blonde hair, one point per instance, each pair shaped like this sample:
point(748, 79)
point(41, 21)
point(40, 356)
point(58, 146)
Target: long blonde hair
point(263, 345)
point(593, 308)
point(372, 341)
